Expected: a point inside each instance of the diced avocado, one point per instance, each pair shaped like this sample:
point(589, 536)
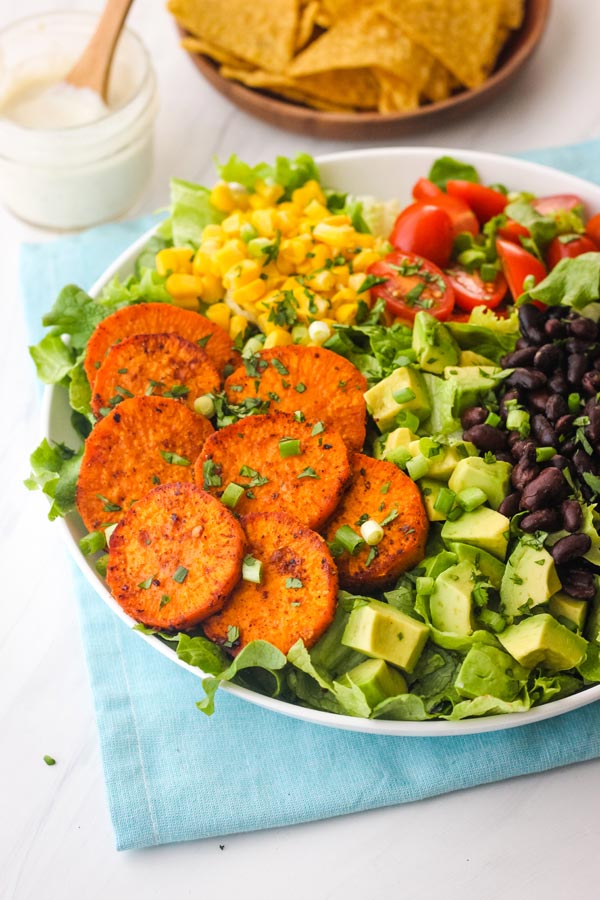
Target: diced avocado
point(530, 579)
point(541, 640)
point(490, 567)
point(483, 528)
point(592, 625)
point(430, 490)
point(443, 458)
point(433, 344)
point(451, 603)
point(399, 438)
point(442, 394)
point(562, 606)
point(470, 358)
point(383, 632)
point(404, 381)
point(493, 478)
point(590, 521)
point(434, 565)
point(471, 383)
point(489, 671)
point(376, 680)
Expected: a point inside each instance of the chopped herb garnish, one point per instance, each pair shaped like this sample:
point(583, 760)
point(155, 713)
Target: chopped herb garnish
point(256, 479)
point(164, 600)
point(279, 366)
point(254, 366)
point(390, 517)
point(274, 397)
point(153, 384)
point(122, 371)
point(362, 519)
point(318, 428)
point(155, 479)
point(107, 506)
point(174, 458)
point(49, 760)
point(385, 487)
point(300, 387)
point(299, 416)
point(233, 635)
point(203, 341)
point(123, 391)
point(177, 391)
point(144, 585)
point(308, 472)
point(371, 556)
point(180, 574)
point(293, 584)
point(370, 282)
point(211, 474)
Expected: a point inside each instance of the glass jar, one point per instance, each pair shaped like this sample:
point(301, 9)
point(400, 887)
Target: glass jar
point(74, 177)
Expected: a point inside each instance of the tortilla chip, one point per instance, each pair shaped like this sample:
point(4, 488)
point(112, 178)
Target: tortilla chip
point(395, 94)
point(349, 88)
point(195, 45)
point(306, 24)
point(461, 34)
point(255, 31)
point(512, 13)
point(439, 85)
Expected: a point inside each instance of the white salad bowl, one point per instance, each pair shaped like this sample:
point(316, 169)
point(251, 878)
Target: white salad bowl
point(385, 173)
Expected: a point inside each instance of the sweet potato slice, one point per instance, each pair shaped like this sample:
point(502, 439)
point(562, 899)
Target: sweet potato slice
point(324, 386)
point(159, 318)
point(308, 485)
point(297, 595)
point(144, 442)
point(380, 491)
point(153, 365)
point(175, 557)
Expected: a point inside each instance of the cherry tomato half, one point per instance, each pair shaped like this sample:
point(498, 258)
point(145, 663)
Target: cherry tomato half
point(592, 229)
point(413, 284)
point(517, 265)
point(513, 231)
point(470, 290)
point(547, 206)
point(484, 201)
point(560, 248)
point(426, 230)
point(463, 218)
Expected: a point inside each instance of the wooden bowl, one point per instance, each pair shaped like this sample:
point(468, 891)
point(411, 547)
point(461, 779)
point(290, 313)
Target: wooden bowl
point(373, 125)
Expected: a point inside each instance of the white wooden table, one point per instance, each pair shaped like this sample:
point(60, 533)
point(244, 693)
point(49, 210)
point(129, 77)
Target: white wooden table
point(533, 837)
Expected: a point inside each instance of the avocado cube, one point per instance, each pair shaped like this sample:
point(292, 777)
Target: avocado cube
point(490, 567)
point(471, 383)
point(562, 606)
point(451, 603)
point(489, 671)
point(433, 344)
point(380, 631)
point(483, 528)
point(492, 478)
point(384, 408)
point(530, 579)
point(435, 565)
point(442, 458)
point(470, 358)
point(430, 491)
point(398, 439)
point(376, 679)
point(541, 640)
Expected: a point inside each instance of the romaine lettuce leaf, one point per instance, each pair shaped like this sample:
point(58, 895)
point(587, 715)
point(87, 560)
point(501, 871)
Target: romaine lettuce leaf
point(447, 169)
point(256, 654)
point(53, 359)
point(573, 282)
point(191, 211)
point(54, 470)
point(289, 173)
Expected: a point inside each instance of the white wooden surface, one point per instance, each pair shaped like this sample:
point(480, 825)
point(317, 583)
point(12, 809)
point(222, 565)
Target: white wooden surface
point(534, 836)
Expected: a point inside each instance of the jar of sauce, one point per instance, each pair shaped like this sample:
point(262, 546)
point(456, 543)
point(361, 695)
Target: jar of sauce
point(67, 160)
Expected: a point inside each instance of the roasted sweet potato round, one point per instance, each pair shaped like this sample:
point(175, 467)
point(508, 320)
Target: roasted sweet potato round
point(145, 441)
point(250, 453)
point(175, 557)
point(324, 386)
point(297, 594)
point(160, 365)
point(380, 491)
point(159, 318)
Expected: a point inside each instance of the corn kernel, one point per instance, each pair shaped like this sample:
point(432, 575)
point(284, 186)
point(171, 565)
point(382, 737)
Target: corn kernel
point(237, 326)
point(220, 314)
point(230, 253)
point(270, 192)
point(204, 263)
point(346, 314)
point(323, 280)
point(302, 196)
point(249, 293)
point(344, 295)
point(222, 198)
point(335, 235)
point(264, 222)
point(364, 259)
point(179, 285)
point(186, 303)
point(212, 288)
point(355, 282)
point(244, 272)
point(211, 232)
point(316, 211)
point(342, 274)
point(232, 224)
point(320, 254)
point(295, 249)
point(257, 202)
point(286, 222)
point(174, 259)
point(278, 337)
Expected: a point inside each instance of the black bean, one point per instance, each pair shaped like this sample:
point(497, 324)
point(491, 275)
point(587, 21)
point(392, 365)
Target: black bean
point(517, 358)
point(529, 379)
point(510, 395)
point(476, 415)
point(550, 488)
point(571, 515)
point(543, 431)
point(584, 463)
point(523, 473)
point(513, 438)
point(556, 407)
point(548, 358)
point(558, 461)
point(538, 399)
point(542, 520)
point(523, 343)
point(486, 437)
point(555, 329)
point(568, 448)
point(578, 583)
point(559, 384)
point(564, 424)
point(593, 429)
point(576, 368)
point(583, 328)
point(524, 449)
point(531, 322)
point(510, 505)
point(590, 383)
point(575, 345)
point(504, 456)
point(597, 364)
point(570, 547)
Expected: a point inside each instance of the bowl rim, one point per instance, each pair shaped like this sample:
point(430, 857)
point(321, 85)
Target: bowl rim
point(397, 728)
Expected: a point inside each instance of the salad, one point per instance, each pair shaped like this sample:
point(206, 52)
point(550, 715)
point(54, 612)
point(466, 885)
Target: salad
point(343, 453)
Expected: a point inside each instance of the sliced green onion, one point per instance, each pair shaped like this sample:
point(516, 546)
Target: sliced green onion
point(289, 447)
point(455, 514)
point(404, 395)
point(518, 420)
point(492, 620)
point(574, 402)
point(488, 272)
point(102, 565)
point(543, 454)
point(204, 406)
point(248, 232)
point(493, 419)
point(232, 494)
point(399, 456)
point(417, 467)
point(407, 419)
point(252, 570)
point(424, 585)
point(92, 542)
point(529, 283)
point(444, 501)
point(180, 574)
point(372, 532)
point(471, 498)
point(348, 539)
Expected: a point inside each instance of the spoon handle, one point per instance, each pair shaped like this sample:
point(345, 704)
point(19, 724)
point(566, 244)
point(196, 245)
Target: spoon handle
point(93, 66)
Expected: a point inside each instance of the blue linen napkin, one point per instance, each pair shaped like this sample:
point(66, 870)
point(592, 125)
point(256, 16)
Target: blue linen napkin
point(171, 773)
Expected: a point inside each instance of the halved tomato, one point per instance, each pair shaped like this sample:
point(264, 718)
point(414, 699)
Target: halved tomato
point(513, 231)
point(426, 230)
point(517, 265)
point(547, 206)
point(484, 201)
point(568, 246)
point(470, 290)
point(412, 284)
point(463, 218)
point(592, 229)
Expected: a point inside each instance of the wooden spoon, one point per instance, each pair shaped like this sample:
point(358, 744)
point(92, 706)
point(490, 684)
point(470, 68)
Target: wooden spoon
point(93, 66)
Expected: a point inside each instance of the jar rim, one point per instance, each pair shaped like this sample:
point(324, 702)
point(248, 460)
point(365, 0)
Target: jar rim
point(88, 17)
